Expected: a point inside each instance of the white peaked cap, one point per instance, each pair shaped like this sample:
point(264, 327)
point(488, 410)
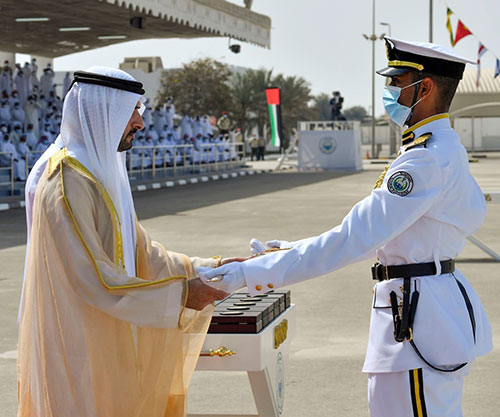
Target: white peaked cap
point(404, 56)
point(431, 50)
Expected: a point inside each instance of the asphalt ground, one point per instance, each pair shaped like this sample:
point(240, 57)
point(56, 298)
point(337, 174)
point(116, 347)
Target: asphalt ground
point(324, 376)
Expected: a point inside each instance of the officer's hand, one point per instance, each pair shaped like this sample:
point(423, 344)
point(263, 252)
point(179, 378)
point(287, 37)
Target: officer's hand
point(227, 278)
point(280, 244)
point(200, 295)
point(257, 247)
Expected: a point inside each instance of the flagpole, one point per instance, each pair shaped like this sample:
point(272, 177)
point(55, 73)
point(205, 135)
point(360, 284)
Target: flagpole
point(374, 37)
point(431, 9)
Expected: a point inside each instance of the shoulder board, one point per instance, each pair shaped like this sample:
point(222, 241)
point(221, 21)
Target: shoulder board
point(55, 160)
point(421, 140)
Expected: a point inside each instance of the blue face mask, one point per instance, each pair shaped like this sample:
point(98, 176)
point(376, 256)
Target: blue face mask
point(398, 113)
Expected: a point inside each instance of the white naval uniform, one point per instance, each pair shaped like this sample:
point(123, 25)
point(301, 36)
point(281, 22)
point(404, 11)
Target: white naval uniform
point(444, 205)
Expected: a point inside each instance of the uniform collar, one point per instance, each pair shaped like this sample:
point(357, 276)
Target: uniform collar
point(438, 121)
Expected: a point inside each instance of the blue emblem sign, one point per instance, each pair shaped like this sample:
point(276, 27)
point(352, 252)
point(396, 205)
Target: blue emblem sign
point(327, 145)
point(400, 183)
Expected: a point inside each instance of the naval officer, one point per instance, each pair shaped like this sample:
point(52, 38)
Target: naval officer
point(427, 323)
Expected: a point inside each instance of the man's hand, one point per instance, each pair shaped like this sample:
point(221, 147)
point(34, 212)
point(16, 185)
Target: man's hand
point(225, 261)
point(200, 295)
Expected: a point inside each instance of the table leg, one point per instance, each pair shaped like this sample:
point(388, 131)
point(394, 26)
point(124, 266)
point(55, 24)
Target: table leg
point(263, 393)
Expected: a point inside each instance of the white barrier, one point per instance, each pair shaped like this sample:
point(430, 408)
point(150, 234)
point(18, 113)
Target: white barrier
point(330, 150)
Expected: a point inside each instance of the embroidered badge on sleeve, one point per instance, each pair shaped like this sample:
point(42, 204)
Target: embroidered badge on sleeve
point(400, 183)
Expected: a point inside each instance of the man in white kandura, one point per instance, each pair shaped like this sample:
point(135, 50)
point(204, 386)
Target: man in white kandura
point(427, 323)
point(111, 323)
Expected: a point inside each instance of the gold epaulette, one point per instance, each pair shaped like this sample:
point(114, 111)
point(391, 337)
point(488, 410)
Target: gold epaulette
point(380, 180)
point(421, 140)
point(55, 160)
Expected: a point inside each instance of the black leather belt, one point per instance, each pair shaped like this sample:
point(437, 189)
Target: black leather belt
point(403, 312)
point(382, 272)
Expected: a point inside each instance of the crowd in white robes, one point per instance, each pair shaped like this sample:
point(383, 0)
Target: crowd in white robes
point(30, 115)
point(193, 140)
point(30, 106)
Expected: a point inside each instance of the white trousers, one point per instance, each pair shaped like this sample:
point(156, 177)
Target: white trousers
point(421, 392)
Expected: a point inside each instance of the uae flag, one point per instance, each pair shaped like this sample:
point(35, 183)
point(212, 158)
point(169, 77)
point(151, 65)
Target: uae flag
point(274, 105)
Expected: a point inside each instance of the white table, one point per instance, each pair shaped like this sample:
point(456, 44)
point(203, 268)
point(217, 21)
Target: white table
point(264, 357)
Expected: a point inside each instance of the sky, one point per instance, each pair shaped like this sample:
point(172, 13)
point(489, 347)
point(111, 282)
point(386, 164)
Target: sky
point(319, 40)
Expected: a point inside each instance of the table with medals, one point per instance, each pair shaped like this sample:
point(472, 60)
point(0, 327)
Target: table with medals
point(252, 334)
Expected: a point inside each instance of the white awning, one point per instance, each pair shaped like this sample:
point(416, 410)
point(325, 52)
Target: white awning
point(53, 28)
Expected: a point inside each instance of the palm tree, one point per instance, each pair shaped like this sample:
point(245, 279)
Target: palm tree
point(259, 80)
point(250, 107)
point(321, 107)
point(241, 92)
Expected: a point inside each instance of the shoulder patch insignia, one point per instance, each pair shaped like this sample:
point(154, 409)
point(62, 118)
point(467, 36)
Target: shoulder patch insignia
point(421, 140)
point(400, 183)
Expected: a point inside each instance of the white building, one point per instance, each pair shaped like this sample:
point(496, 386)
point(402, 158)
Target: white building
point(476, 111)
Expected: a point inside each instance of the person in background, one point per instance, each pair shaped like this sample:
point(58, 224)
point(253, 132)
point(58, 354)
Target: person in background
point(7, 147)
point(254, 146)
point(15, 133)
point(66, 85)
point(23, 149)
point(224, 123)
point(261, 149)
point(31, 137)
point(239, 141)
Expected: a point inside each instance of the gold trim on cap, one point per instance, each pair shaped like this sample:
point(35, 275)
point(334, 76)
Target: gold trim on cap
point(396, 63)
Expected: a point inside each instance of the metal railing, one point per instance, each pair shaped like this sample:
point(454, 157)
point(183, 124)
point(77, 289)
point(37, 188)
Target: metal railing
point(328, 125)
point(8, 167)
point(181, 159)
point(157, 159)
point(29, 160)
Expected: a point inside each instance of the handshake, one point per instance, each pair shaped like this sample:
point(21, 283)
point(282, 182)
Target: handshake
point(228, 277)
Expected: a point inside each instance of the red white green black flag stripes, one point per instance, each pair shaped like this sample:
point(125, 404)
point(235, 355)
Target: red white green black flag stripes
point(274, 105)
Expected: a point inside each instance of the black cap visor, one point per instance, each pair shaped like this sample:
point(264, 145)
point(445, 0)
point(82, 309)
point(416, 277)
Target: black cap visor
point(393, 71)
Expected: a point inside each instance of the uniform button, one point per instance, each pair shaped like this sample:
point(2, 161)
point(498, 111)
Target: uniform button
point(258, 287)
point(270, 285)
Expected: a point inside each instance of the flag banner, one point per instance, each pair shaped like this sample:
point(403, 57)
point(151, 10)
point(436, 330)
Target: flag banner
point(448, 25)
point(274, 105)
point(480, 52)
point(461, 32)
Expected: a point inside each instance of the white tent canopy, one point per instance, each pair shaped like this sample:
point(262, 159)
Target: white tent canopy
point(482, 17)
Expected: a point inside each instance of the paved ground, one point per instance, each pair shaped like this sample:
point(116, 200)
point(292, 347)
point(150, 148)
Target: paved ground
point(323, 378)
